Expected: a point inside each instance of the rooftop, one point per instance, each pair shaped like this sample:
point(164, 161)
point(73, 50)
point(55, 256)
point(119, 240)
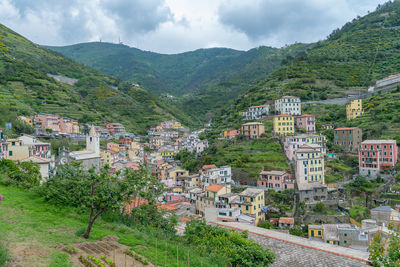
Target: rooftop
point(378, 142)
point(286, 220)
point(214, 187)
point(284, 115)
point(346, 128)
point(252, 123)
point(273, 172)
point(383, 208)
point(259, 106)
point(251, 192)
point(209, 166)
point(310, 186)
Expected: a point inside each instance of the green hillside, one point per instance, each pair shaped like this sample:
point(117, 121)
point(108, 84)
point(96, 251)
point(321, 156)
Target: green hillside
point(201, 81)
point(26, 88)
point(348, 61)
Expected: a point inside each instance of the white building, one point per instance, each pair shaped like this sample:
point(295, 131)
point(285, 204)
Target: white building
point(221, 175)
point(288, 105)
point(256, 112)
point(193, 144)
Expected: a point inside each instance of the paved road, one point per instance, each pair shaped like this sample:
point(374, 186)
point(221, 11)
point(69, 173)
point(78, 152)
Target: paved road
point(296, 251)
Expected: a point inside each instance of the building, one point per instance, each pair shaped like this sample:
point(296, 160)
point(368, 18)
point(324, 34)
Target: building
point(177, 125)
point(388, 82)
point(349, 138)
point(45, 122)
point(309, 165)
point(28, 121)
point(251, 201)
point(16, 150)
point(312, 193)
point(278, 180)
point(229, 134)
point(41, 149)
point(253, 129)
point(283, 124)
point(256, 112)
point(306, 122)
point(68, 126)
point(285, 222)
point(293, 143)
point(288, 105)
point(384, 215)
point(44, 165)
point(221, 175)
point(209, 197)
point(107, 157)
point(377, 155)
point(89, 158)
point(354, 109)
point(116, 129)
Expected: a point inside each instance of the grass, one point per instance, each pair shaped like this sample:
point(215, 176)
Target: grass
point(3, 254)
point(27, 219)
point(59, 259)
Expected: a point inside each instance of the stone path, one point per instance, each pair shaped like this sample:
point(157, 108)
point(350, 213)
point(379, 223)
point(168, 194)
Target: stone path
point(296, 251)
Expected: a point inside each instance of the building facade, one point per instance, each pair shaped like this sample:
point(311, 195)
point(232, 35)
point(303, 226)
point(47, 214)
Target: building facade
point(283, 124)
point(288, 105)
point(253, 130)
point(349, 138)
point(292, 143)
point(354, 109)
point(309, 165)
point(278, 180)
point(256, 112)
point(377, 155)
point(306, 122)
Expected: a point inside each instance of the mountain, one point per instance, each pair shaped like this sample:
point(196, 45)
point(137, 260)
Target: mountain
point(199, 82)
point(349, 61)
point(84, 94)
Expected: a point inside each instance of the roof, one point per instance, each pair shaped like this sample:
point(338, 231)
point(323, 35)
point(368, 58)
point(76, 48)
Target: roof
point(310, 186)
point(184, 219)
point(314, 226)
point(260, 106)
point(273, 172)
point(383, 208)
point(253, 123)
point(209, 166)
point(82, 155)
point(305, 115)
point(251, 192)
point(289, 96)
point(37, 160)
point(286, 220)
point(283, 115)
point(228, 195)
point(373, 142)
point(168, 207)
point(346, 128)
point(214, 187)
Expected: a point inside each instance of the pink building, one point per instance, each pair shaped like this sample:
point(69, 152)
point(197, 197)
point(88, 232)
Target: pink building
point(306, 122)
point(47, 121)
point(376, 155)
point(293, 143)
point(125, 141)
point(68, 126)
point(115, 128)
point(231, 133)
point(113, 147)
point(278, 180)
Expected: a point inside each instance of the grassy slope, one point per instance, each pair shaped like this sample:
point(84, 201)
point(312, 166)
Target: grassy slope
point(25, 87)
point(27, 221)
point(203, 80)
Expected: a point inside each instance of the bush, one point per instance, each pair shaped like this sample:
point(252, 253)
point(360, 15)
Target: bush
point(239, 250)
point(24, 174)
point(266, 225)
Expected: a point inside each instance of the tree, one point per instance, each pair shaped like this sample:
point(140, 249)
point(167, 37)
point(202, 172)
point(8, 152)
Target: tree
point(385, 252)
point(21, 174)
point(98, 192)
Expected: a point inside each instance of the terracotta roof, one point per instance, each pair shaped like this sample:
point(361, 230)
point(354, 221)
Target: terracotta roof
point(209, 166)
point(168, 207)
point(260, 106)
point(346, 128)
point(286, 220)
point(214, 187)
point(184, 219)
point(305, 115)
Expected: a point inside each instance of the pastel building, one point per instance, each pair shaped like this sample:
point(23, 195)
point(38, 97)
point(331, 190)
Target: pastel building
point(292, 143)
point(253, 130)
point(309, 165)
point(116, 128)
point(283, 124)
point(288, 105)
point(349, 138)
point(41, 149)
point(377, 155)
point(354, 109)
point(231, 133)
point(47, 121)
point(278, 180)
point(256, 112)
point(306, 122)
point(251, 201)
point(68, 126)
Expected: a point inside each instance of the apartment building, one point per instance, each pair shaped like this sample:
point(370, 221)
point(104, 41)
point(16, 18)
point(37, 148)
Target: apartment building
point(256, 112)
point(288, 105)
point(283, 124)
point(349, 138)
point(354, 109)
point(309, 165)
point(253, 130)
point(292, 143)
point(306, 122)
point(277, 180)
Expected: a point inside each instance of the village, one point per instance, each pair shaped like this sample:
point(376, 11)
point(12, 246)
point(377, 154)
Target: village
point(299, 201)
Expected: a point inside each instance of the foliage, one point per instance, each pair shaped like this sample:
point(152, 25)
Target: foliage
point(320, 207)
point(98, 192)
point(237, 248)
point(136, 256)
point(21, 174)
point(299, 231)
point(59, 259)
point(3, 254)
point(385, 252)
point(266, 225)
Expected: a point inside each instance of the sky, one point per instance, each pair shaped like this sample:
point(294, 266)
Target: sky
point(175, 26)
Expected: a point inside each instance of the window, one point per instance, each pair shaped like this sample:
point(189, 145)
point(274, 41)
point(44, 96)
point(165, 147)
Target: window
point(345, 234)
point(345, 241)
point(10, 153)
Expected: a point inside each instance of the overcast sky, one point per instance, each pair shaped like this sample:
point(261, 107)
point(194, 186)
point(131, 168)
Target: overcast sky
point(173, 26)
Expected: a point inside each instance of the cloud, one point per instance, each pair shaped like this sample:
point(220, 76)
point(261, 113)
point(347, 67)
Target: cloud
point(287, 21)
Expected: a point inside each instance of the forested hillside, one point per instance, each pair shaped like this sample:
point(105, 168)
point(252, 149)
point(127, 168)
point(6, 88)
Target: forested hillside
point(26, 88)
point(348, 61)
point(201, 81)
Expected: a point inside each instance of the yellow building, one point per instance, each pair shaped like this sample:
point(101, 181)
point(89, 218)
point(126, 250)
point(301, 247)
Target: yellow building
point(177, 125)
point(18, 151)
point(283, 124)
point(159, 128)
point(354, 109)
point(209, 197)
point(107, 157)
point(251, 201)
point(26, 120)
point(177, 172)
point(310, 164)
point(167, 153)
point(315, 231)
